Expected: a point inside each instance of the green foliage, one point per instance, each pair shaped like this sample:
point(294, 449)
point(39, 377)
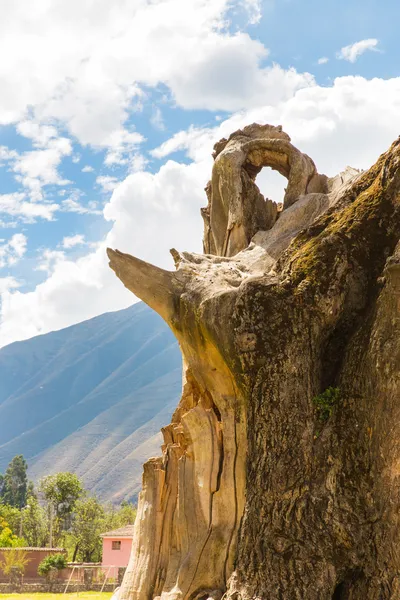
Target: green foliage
point(50, 562)
point(7, 538)
point(91, 519)
point(326, 402)
point(12, 559)
point(76, 519)
point(12, 515)
point(87, 526)
point(14, 484)
point(61, 490)
point(35, 523)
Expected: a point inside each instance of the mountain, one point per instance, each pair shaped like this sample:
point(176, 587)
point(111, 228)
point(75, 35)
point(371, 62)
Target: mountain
point(91, 399)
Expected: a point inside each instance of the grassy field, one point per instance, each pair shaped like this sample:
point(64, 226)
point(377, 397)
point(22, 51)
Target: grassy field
point(74, 596)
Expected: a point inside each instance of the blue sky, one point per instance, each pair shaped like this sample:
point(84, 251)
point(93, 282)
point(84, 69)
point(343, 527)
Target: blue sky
point(108, 116)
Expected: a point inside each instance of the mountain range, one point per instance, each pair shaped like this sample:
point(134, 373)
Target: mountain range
point(91, 399)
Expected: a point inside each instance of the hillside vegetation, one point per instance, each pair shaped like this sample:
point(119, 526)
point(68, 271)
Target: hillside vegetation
point(90, 399)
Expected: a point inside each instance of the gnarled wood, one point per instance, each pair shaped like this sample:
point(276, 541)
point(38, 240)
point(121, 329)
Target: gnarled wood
point(236, 209)
point(259, 494)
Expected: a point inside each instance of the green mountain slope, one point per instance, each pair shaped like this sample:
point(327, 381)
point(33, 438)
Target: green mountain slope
point(91, 399)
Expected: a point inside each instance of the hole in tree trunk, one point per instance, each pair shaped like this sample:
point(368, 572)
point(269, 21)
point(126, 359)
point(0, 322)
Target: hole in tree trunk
point(271, 184)
point(345, 587)
point(339, 593)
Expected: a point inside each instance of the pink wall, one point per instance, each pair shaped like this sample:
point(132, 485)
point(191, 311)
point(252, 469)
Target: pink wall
point(118, 558)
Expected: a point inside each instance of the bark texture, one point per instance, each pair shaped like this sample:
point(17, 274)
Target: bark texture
point(280, 473)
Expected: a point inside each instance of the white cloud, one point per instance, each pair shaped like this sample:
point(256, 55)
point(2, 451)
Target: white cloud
point(8, 283)
point(40, 134)
point(73, 240)
point(228, 77)
point(87, 169)
point(350, 122)
point(91, 81)
point(163, 207)
point(90, 78)
point(138, 163)
point(38, 168)
point(323, 60)
point(49, 260)
point(353, 51)
point(13, 250)
point(121, 143)
point(73, 205)
point(253, 8)
point(107, 182)
point(16, 205)
point(6, 154)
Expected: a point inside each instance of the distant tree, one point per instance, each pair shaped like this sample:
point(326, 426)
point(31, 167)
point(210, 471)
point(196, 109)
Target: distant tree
point(88, 524)
point(60, 491)
point(35, 523)
point(7, 538)
point(12, 516)
point(31, 492)
point(118, 516)
point(15, 482)
point(1, 487)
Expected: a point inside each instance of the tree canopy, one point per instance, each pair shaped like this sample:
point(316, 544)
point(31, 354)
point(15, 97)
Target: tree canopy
point(14, 484)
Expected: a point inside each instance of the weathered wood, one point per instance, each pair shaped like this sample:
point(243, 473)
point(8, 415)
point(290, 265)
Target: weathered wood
point(260, 493)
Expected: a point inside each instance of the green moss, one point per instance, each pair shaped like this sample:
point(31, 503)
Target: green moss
point(325, 403)
point(361, 224)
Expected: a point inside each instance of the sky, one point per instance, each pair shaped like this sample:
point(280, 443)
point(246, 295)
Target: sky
point(109, 112)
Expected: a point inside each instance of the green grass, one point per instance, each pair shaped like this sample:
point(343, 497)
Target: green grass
point(73, 596)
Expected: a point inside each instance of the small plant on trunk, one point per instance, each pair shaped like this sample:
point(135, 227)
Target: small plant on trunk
point(326, 402)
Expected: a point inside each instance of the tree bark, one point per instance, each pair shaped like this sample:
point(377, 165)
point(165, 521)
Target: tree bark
point(263, 491)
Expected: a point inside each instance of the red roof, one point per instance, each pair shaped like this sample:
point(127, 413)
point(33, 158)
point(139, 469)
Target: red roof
point(126, 531)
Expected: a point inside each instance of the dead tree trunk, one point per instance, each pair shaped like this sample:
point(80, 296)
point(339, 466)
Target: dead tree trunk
point(280, 474)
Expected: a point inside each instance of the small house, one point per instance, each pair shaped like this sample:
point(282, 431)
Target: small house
point(117, 545)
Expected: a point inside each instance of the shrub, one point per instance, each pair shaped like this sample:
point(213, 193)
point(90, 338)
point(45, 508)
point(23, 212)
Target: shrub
point(14, 559)
point(52, 561)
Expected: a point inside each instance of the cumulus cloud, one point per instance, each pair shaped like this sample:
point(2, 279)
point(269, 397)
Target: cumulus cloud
point(107, 182)
point(8, 283)
point(163, 207)
point(94, 76)
point(73, 240)
point(91, 83)
point(73, 205)
point(348, 123)
point(254, 10)
point(6, 154)
point(16, 205)
point(87, 169)
point(49, 260)
point(138, 163)
point(323, 60)
point(353, 51)
point(39, 167)
point(13, 250)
